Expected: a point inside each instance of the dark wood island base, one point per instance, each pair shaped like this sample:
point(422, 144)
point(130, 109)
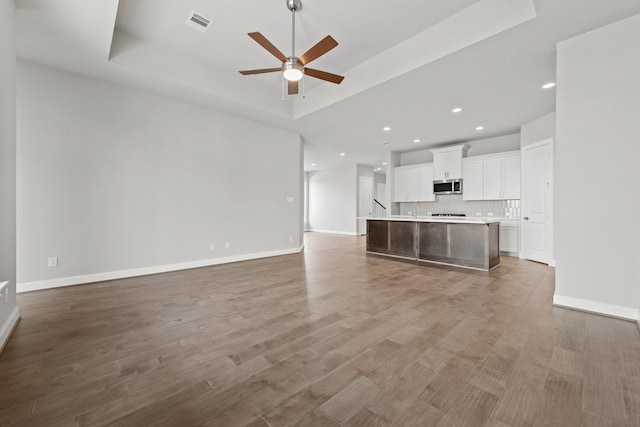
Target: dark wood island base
point(462, 243)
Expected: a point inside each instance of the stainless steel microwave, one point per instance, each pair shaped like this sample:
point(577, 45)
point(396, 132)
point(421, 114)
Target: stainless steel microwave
point(447, 186)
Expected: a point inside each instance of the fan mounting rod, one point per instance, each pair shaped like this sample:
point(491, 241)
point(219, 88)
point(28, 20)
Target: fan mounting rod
point(293, 6)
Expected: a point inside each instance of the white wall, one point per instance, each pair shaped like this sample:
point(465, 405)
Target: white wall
point(476, 148)
point(333, 200)
point(597, 154)
point(112, 179)
point(538, 130)
point(8, 311)
point(378, 178)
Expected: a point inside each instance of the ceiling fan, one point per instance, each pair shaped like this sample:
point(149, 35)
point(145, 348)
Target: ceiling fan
point(293, 68)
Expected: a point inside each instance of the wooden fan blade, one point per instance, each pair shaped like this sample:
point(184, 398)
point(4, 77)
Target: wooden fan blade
point(320, 48)
point(292, 88)
point(323, 75)
point(262, 41)
point(260, 71)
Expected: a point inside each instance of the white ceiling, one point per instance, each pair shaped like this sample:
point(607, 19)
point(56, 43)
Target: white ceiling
point(406, 63)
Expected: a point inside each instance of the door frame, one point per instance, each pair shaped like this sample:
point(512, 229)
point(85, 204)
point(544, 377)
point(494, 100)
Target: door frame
point(361, 224)
point(551, 232)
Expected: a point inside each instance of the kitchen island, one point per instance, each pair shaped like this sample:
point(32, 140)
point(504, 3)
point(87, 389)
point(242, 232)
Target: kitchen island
point(461, 242)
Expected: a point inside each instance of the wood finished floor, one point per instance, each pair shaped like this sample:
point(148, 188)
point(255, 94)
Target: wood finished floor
point(328, 337)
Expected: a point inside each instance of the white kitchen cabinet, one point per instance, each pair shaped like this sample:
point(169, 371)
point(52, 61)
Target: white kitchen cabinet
point(511, 177)
point(493, 179)
point(498, 175)
point(502, 177)
point(509, 236)
point(401, 185)
point(472, 179)
point(414, 183)
point(447, 162)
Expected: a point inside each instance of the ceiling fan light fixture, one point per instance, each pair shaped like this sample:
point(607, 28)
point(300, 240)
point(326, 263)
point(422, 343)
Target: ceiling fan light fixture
point(294, 68)
point(292, 71)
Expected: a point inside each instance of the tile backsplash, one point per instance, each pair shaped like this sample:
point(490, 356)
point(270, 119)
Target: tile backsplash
point(453, 203)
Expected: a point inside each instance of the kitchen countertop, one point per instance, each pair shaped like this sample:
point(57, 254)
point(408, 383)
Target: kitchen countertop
point(452, 220)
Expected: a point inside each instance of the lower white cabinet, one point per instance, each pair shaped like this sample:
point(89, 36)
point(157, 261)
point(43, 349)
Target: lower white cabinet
point(510, 236)
point(414, 183)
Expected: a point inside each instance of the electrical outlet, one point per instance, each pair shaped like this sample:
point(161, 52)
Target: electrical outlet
point(212, 247)
point(478, 213)
point(289, 199)
point(227, 245)
point(53, 261)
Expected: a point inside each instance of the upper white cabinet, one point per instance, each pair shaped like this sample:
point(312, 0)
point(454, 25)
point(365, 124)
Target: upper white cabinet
point(472, 179)
point(447, 162)
point(492, 177)
point(502, 177)
point(511, 177)
point(414, 183)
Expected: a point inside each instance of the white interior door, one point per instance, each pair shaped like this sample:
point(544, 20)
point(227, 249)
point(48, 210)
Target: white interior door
point(536, 202)
point(365, 201)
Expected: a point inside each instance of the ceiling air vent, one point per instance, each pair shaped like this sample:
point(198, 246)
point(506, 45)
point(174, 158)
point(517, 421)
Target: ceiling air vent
point(198, 22)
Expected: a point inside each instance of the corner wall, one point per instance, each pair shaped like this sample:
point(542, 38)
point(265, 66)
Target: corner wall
point(118, 182)
point(538, 130)
point(9, 315)
point(333, 200)
point(597, 152)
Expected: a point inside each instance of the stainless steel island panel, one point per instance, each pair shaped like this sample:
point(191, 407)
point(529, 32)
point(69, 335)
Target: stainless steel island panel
point(378, 236)
point(471, 244)
point(466, 245)
point(402, 239)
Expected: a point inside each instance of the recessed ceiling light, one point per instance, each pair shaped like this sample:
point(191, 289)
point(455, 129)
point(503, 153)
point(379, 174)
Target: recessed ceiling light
point(313, 164)
point(378, 169)
point(480, 128)
point(456, 110)
point(416, 140)
point(386, 128)
point(343, 154)
point(384, 163)
point(548, 85)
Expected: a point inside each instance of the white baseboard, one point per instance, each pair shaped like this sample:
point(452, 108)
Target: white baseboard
point(8, 327)
point(346, 233)
point(597, 307)
point(122, 274)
